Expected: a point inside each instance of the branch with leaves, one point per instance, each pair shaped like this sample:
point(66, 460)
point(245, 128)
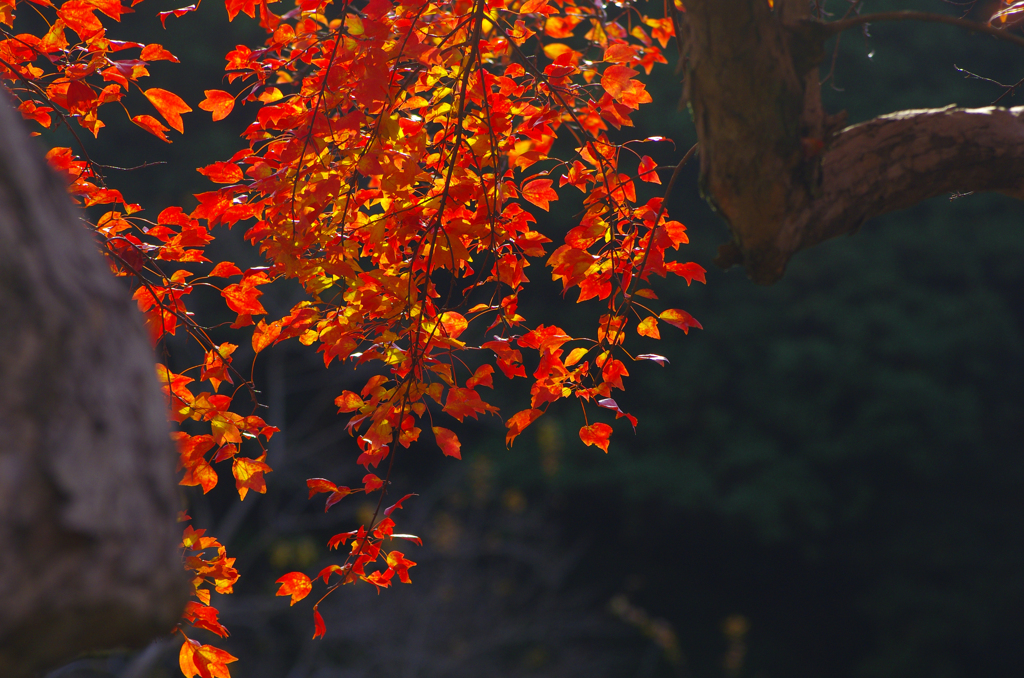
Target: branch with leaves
point(392, 145)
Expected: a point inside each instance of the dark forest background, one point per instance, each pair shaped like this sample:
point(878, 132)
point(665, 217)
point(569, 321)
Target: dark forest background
point(826, 481)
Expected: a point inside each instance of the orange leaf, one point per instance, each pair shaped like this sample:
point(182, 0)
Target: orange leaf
point(169, 105)
point(520, 33)
point(205, 661)
point(296, 585)
point(482, 377)
point(317, 485)
point(617, 81)
point(236, 6)
point(518, 422)
point(398, 564)
point(575, 356)
point(465, 402)
point(531, 6)
point(397, 505)
point(612, 372)
point(453, 323)
point(157, 53)
point(676, 233)
point(30, 111)
point(326, 573)
point(690, 271)
point(78, 16)
point(151, 125)
point(224, 430)
point(339, 539)
point(540, 193)
point(680, 319)
point(348, 401)
point(222, 172)
point(249, 475)
point(243, 299)
point(448, 442)
point(595, 434)
point(217, 102)
point(371, 483)
point(181, 11)
point(264, 335)
point(200, 474)
point(225, 269)
point(337, 496)
point(319, 629)
point(204, 617)
point(111, 8)
point(649, 328)
point(646, 170)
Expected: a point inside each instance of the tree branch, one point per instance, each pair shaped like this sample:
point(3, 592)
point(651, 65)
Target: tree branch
point(783, 174)
point(897, 160)
point(834, 27)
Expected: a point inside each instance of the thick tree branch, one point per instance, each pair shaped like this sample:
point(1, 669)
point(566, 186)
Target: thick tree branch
point(897, 160)
point(782, 173)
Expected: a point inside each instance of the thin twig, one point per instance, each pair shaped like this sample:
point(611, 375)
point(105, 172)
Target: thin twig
point(836, 27)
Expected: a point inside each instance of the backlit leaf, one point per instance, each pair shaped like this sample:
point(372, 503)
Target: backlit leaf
point(397, 505)
point(448, 442)
point(680, 319)
point(646, 170)
point(249, 475)
point(518, 422)
point(225, 269)
point(151, 125)
point(204, 661)
point(217, 102)
point(157, 53)
point(348, 401)
point(169, 105)
point(319, 629)
point(371, 483)
point(649, 328)
point(294, 584)
point(264, 335)
point(596, 434)
point(222, 172)
point(318, 485)
point(539, 192)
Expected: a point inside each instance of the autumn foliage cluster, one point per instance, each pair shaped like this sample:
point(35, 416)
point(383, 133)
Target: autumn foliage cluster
point(396, 157)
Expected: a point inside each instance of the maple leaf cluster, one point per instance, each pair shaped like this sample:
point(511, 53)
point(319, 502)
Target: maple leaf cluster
point(393, 144)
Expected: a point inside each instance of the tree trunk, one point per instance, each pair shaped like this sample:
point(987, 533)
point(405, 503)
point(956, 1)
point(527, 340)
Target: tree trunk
point(87, 489)
point(786, 176)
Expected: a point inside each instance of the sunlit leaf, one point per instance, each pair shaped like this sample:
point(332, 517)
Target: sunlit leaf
point(294, 584)
point(151, 125)
point(596, 434)
point(169, 105)
point(448, 442)
point(217, 102)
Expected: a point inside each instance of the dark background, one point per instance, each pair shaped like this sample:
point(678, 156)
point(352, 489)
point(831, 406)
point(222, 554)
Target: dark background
point(825, 480)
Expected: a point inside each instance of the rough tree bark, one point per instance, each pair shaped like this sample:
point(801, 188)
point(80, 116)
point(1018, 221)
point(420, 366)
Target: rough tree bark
point(786, 176)
point(87, 490)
